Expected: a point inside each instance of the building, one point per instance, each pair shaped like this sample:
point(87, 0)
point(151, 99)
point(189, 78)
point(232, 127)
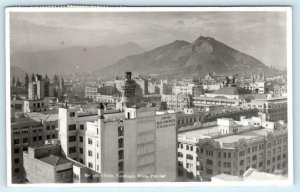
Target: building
point(90, 92)
point(45, 164)
point(275, 108)
point(232, 147)
point(39, 105)
point(133, 145)
point(39, 88)
point(107, 143)
point(142, 84)
point(203, 101)
point(106, 98)
point(187, 89)
point(165, 87)
point(30, 130)
point(177, 102)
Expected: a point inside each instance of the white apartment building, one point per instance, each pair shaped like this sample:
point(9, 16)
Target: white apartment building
point(134, 145)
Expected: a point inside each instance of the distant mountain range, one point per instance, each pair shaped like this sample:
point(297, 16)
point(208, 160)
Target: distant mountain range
point(17, 72)
point(73, 59)
point(181, 58)
point(174, 60)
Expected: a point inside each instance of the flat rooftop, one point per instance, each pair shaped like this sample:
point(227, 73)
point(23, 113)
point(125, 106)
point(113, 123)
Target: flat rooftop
point(212, 131)
point(244, 135)
point(200, 132)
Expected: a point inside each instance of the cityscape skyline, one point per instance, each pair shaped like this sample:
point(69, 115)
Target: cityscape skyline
point(198, 109)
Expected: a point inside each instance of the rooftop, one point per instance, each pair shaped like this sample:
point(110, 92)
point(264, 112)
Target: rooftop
point(55, 160)
point(42, 116)
point(231, 91)
point(251, 134)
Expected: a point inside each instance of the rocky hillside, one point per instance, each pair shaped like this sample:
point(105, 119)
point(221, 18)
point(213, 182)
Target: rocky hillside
point(181, 58)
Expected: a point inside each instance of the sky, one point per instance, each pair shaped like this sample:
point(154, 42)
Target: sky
point(259, 34)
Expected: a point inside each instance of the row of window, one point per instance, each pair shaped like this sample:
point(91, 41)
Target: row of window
point(39, 138)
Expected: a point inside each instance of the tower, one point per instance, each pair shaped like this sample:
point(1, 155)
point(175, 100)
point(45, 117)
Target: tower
point(129, 96)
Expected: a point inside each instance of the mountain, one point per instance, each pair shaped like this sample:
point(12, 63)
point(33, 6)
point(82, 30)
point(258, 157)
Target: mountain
point(73, 59)
point(181, 58)
point(17, 72)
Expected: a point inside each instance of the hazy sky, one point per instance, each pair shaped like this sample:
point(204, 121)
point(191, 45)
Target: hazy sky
point(260, 34)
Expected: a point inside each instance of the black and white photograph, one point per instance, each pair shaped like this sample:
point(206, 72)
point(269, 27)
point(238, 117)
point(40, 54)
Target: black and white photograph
point(149, 96)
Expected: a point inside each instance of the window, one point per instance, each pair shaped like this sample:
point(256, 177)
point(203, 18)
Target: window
point(72, 150)
point(268, 162)
point(81, 139)
point(190, 157)
point(17, 150)
point(81, 126)
point(180, 154)
point(209, 162)
point(48, 136)
point(72, 114)
point(209, 171)
point(121, 143)
point(121, 166)
point(241, 162)
point(284, 156)
point(81, 161)
point(72, 127)
point(260, 164)
point(25, 140)
point(227, 164)
point(90, 153)
point(81, 150)
point(120, 131)
point(121, 154)
point(90, 141)
point(17, 170)
point(224, 154)
point(53, 127)
point(229, 155)
point(90, 165)
point(53, 136)
point(40, 138)
point(72, 138)
point(278, 157)
point(34, 138)
point(17, 160)
point(254, 157)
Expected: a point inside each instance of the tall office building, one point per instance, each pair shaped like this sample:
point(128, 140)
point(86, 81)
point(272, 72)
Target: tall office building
point(133, 145)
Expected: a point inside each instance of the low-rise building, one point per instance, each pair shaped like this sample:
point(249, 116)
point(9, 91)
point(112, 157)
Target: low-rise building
point(232, 147)
point(177, 102)
point(90, 92)
point(31, 130)
point(275, 108)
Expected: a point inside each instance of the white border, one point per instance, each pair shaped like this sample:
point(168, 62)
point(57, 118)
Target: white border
point(71, 8)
